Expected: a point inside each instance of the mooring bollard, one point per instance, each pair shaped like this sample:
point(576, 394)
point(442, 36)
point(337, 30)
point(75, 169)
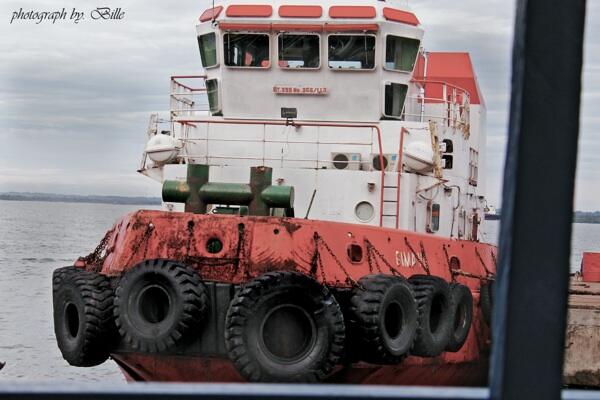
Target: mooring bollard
point(260, 196)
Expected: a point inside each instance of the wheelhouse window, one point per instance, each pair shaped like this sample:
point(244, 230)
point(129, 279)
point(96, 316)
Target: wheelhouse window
point(298, 51)
point(246, 50)
point(212, 92)
point(208, 49)
point(395, 96)
point(401, 53)
point(351, 52)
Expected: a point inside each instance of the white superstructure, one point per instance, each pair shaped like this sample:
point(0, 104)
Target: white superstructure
point(323, 93)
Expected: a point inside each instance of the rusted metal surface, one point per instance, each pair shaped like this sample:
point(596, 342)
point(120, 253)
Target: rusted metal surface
point(590, 267)
point(413, 371)
point(582, 347)
point(255, 245)
point(335, 254)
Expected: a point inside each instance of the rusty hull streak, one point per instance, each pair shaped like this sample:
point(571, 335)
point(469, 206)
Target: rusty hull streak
point(289, 225)
point(316, 248)
point(270, 243)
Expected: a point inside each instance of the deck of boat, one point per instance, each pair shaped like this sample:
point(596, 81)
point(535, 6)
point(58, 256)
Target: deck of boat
point(582, 357)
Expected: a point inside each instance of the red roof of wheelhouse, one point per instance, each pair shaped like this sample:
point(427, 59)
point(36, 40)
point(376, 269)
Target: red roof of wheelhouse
point(453, 68)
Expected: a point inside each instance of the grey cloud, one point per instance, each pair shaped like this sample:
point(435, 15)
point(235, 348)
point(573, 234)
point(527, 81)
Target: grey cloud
point(75, 99)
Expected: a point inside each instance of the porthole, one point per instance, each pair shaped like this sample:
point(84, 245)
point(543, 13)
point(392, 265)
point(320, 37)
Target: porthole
point(355, 253)
point(364, 211)
point(214, 246)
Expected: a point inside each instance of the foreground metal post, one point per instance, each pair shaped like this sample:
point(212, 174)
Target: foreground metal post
point(533, 275)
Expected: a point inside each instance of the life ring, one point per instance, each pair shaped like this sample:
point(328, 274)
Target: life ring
point(83, 316)
point(462, 311)
point(284, 327)
point(159, 303)
point(384, 313)
point(435, 315)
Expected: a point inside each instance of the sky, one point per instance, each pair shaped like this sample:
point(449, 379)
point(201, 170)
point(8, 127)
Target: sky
point(75, 98)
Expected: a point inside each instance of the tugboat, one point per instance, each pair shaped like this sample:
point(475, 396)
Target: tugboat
point(322, 212)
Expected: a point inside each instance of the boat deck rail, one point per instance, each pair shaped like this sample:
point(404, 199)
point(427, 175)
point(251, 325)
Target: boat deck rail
point(189, 99)
point(373, 142)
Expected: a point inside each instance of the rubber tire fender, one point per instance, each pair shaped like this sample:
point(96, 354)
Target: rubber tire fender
point(384, 318)
point(83, 316)
point(310, 331)
point(435, 315)
point(486, 301)
point(462, 316)
point(158, 304)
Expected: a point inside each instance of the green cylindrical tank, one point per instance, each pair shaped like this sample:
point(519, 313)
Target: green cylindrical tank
point(278, 196)
point(238, 194)
point(175, 191)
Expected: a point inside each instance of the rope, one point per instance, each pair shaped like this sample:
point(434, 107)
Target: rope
point(435, 144)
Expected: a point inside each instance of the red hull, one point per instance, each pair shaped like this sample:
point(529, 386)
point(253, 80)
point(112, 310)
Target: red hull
point(413, 371)
point(335, 254)
point(252, 246)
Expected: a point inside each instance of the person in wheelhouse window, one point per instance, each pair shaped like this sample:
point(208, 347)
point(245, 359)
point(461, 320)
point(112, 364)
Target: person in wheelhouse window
point(247, 50)
point(254, 57)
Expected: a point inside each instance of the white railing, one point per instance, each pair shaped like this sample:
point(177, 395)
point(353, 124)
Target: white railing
point(453, 105)
point(374, 144)
point(186, 99)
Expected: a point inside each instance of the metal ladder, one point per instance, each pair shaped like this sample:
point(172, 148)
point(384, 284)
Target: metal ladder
point(390, 192)
point(391, 201)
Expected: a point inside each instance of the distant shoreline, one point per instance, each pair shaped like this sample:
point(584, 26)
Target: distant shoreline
point(579, 217)
point(92, 199)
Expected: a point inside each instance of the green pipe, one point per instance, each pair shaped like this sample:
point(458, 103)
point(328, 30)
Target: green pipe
point(238, 194)
point(175, 192)
point(278, 196)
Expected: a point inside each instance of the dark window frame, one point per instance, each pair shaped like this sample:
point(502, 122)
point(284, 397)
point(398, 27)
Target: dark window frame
point(216, 50)
point(373, 36)
point(385, 102)
point(227, 50)
point(279, 41)
point(385, 53)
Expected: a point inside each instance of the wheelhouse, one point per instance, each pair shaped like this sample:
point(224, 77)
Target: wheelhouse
point(277, 53)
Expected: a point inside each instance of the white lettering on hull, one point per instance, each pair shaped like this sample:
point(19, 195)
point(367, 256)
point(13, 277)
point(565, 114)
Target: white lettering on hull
point(405, 259)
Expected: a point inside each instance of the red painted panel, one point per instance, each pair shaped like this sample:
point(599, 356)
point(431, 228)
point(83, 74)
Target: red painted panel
point(211, 13)
point(298, 27)
point(250, 10)
point(229, 26)
point(590, 267)
point(451, 369)
point(271, 243)
point(396, 15)
point(352, 12)
point(301, 11)
point(351, 27)
point(454, 69)
point(284, 244)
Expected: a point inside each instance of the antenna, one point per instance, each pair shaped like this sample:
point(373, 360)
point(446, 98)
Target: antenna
point(213, 12)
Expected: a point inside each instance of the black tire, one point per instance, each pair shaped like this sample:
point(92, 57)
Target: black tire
point(83, 316)
point(158, 304)
point(462, 316)
point(486, 301)
point(384, 318)
point(435, 315)
point(284, 327)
